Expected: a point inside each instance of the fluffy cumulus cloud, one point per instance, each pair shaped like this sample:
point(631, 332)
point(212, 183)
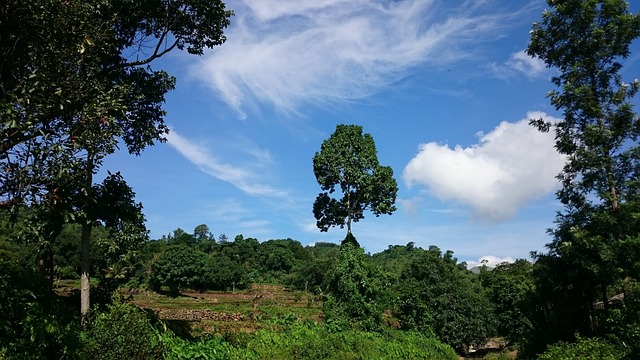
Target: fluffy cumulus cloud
point(508, 167)
point(289, 52)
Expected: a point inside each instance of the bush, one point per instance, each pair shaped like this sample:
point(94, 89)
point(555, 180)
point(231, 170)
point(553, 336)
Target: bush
point(68, 272)
point(305, 340)
point(123, 332)
point(213, 348)
point(311, 341)
point(355, 290)
point(584, 349)
point(34, 324)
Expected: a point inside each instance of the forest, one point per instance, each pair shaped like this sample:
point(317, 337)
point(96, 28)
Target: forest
point(81, 279)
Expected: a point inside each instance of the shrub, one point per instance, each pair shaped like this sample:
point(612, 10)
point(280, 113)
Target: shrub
point(584, 349)
point(355, 290)
point(312, 341)
point(306, 340)
point(68, 272)
point(33, 323)
point(213, 348)
point(123, 332)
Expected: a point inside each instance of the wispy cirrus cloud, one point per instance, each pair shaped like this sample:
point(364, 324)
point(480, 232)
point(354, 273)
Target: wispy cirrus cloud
point(509, 167)
point(287, 53)
point(243, 178)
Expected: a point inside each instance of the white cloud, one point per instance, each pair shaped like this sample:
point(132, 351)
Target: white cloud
point(521, 63)
point(288, 52)
point(532, 67)
point(509, 167)
point(242, 178)
point(489, 260)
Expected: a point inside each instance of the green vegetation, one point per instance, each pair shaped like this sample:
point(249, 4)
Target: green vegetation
point(510, 287)
point(437, 294)
point(76, 81)
point(593, 255)
point(311, 341)
point(68, 98)
point(587, 349)
point(355, 291)
point(121, 332)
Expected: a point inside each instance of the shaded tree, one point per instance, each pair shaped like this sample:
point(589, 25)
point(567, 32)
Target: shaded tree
point(510, 287)
point(222, 273)
point(314, 273)
point(75, 80)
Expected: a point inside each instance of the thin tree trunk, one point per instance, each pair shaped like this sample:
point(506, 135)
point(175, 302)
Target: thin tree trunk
point(85, 288)
point(50, 270)
point(348, 212)
point(605, 296)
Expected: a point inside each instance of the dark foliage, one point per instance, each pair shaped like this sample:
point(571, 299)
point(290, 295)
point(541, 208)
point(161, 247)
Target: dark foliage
point(439, 295)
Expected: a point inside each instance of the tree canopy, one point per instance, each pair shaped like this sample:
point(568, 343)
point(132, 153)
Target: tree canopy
point(75, 75)
point(75, 81)
point(348, 162)
point(597, 234)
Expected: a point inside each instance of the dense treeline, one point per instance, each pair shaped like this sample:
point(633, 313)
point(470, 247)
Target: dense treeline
point(404, 287)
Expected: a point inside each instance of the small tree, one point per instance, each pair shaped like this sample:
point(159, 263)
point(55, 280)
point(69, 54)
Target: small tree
point(348, 161)
point(510, 287)
point(119, 246)
point(179, 267)
point(202, 233)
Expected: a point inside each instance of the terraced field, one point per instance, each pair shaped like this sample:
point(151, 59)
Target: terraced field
point(221, 313)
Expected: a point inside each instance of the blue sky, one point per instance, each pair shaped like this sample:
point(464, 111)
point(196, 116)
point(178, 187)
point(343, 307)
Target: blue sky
point(444, 88)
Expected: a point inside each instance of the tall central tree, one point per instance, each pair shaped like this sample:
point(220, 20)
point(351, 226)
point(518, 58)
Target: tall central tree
point(347, 167)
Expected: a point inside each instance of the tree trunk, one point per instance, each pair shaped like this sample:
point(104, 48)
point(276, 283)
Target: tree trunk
point(85, 287)
point(348, 212)
point(50, 269)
